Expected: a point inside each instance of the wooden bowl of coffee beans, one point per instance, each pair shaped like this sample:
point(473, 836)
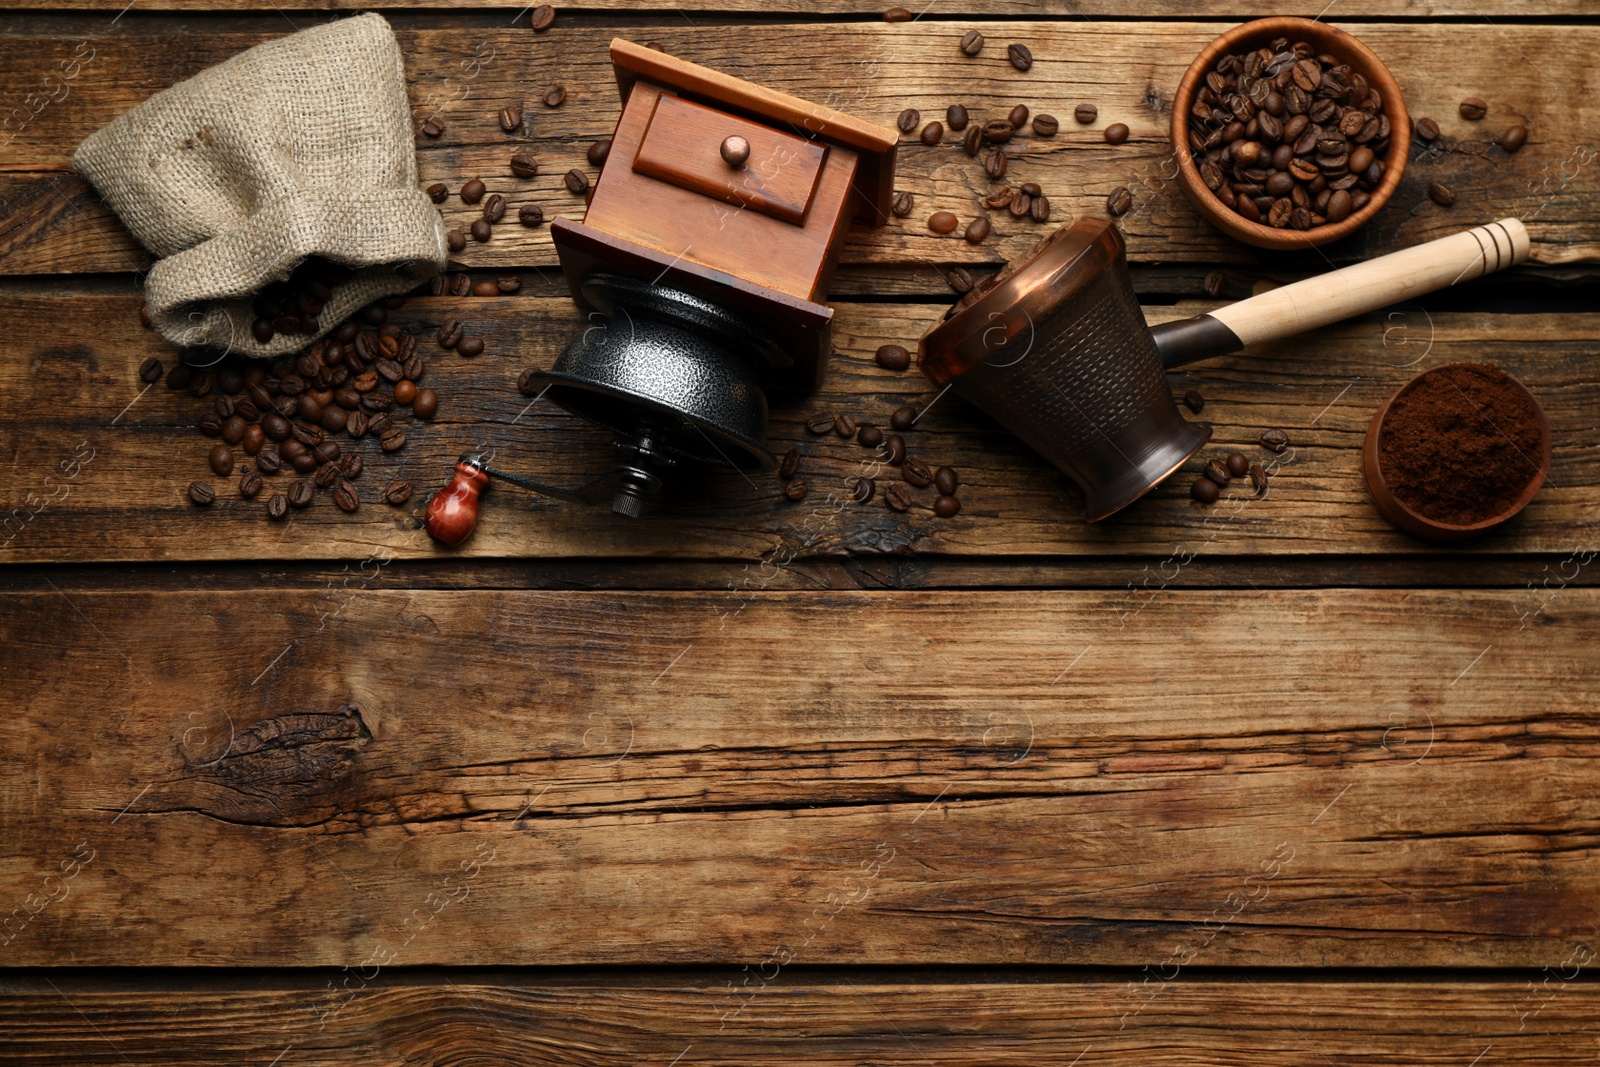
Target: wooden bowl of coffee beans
point(1289, 133)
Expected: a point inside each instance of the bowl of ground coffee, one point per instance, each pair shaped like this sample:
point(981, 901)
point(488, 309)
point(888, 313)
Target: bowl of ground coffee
point(1457, 452)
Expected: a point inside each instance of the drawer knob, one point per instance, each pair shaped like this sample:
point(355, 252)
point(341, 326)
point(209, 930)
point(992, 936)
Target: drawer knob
point(735, 151)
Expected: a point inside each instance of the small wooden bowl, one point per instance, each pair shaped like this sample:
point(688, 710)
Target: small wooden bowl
point(1420, 525)
point(1326, 40)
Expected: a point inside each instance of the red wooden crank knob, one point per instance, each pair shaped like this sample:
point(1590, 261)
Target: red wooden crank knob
point(453, 511)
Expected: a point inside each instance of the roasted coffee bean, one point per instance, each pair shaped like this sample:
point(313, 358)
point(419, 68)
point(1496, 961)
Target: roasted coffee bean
point(523, 165)
point(916, 472)
point(1213, 285)
point(415, 367)
point(276, 426)
point(1194, 401)
point(526, 383)
point(1020, 56)
point(397, 492)
point(1039, 210)
point(310, 436)
point(306, 407)
point(796, 490)
point(426, 404)
point(470, 346)
point(844, 426)
point(998, 132)
point(1120, 202)
point(790, 465)
point(1473, 109)
point(352, 466)
point(327, 452)
point(1085, 113)
point(301, 493)
point(262, 330)
point(233, 429)
point(432, 128)
point(326, 475)
point(946, 481)
point(864, 490)
point(1238, 465)
point(960, 279)
point(365, 382)
point(998, 196)
point(393, 440)
point(554, 96)
point(510, 118)
point(201, 494)
point(486, 288)
point(221, 460)
point(869, 436)
point(598, 151)
point(1441, 193)
point(977, 230)
point(530, 215)
point(1274, 440)
point(1020, 205)
point(947, 506)
point(903, 417)
point(481, 230)
point(150, 370)
point(210, 424)
point(942, 221)
point(908, 120)
point(379, 423)
point(896, 497)
point(956, 117)
point(460, 285)
point(1205, 490)
point(253, 439)
point(994, 165)
point(1514, 138)
point(902, 204)
point(201, 384)
point(1018, 116)
point(1117, 133)
point(355, 423)
point(932, 133)
point(277, 507)
point(819, 425)
point(347, 398)
point(971, 43)
point(346, 497)
point(1427, 129)
point(577, 182)
point(473, 191)
point(973, 140)
point(542, 18)
point(494, 208)
point(1046, 125)
point(456, 240)
point(897, 14)
point(269, 462)
point(438, 192)
point(893, 357)
point(894, 447)
point(1258, 479)
point(449, 334)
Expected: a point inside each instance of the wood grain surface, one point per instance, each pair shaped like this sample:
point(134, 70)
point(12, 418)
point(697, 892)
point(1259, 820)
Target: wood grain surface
point(51, 222)
point(72, 391)
point(1012, 1018)
point(1305, 778)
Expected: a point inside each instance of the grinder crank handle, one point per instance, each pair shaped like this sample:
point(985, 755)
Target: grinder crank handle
point(453, 512)
point(1353, 290)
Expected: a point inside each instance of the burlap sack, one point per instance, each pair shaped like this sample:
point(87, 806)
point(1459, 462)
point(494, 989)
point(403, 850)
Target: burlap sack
point(300, 146)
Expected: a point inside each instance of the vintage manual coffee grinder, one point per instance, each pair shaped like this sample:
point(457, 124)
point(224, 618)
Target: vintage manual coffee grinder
point(708, 245)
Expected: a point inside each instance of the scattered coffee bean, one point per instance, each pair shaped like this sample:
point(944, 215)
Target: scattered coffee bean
point(998, 196)
point(352, 465)
point(530, 215)
point(977, 230)
point(543, 17)
point(973, 140)
point(432, 128)
point(460, 285)
point(449, 333)
point(903, 204)
point(301, 493)
point(269, 462)
point(1020, 205)
point(932, 133)
point(393, 440)
point(971, 43)
point(355, 423)
point(994, 165)
point(1018, 116)
point(577, 182)
point(507, 283)
point(1441, 193)
point(796, 490)
point(144, 317)
point(1117, 133)
point(1214, 283)
point(916, 472)
point(201, 494)
point(818, 425)
point(1205, 490)
point(1218, 472)
point(894, 447)
point(998, 132)
point(221, 460)
point(473, 191)
point(404, 392)
point(523, 165)
point(790, 464)
point(1274, 440)
point(1514, 138)
point(1020, 56)
point(179, 377)
point(1473, 109)
point(1039, 210)
point(1120, 202)
point(1085, 113)
point(526, 382)
point(946, 481)
point(1238, 465)
point(896, 497)
point(510, 118)
point(397, 492)
point(1258, 479)
point(864, 490)
point(947, 506)
point(481, 230)
point(903, 417)
point(438, 192)
point(1194, 401)
point(346, 497)
point(554, 96)
point(908, 120)
point(456, 240)
point(869, 436)
point(150, 370)
point(844, 426)
point(1427, 129)
point(426, 404)
point(486, 288)
point(470, 346)
point(277, 507)
point(956, 117)
point(1046, 125)
point(893, 357)
point(960, 279)
point(897, 14)
point(326, 475)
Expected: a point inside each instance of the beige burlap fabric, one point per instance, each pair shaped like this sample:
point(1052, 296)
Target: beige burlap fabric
point(300, 146)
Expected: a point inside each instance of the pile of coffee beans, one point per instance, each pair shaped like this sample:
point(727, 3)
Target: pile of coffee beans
point(1289, 138)
point(891, 447)
point(294, 306)
point(1207, 489)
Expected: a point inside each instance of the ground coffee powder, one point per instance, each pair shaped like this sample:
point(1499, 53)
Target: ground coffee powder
point(1460, 444)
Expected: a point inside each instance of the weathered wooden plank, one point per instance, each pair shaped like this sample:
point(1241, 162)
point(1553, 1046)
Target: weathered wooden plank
point(69, 389)
point(1342, 777)
point(939, 14)
point(804, 1016)
point(49, 222)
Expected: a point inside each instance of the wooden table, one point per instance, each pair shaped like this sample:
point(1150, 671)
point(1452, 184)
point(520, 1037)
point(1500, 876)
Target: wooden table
point(755, 782)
